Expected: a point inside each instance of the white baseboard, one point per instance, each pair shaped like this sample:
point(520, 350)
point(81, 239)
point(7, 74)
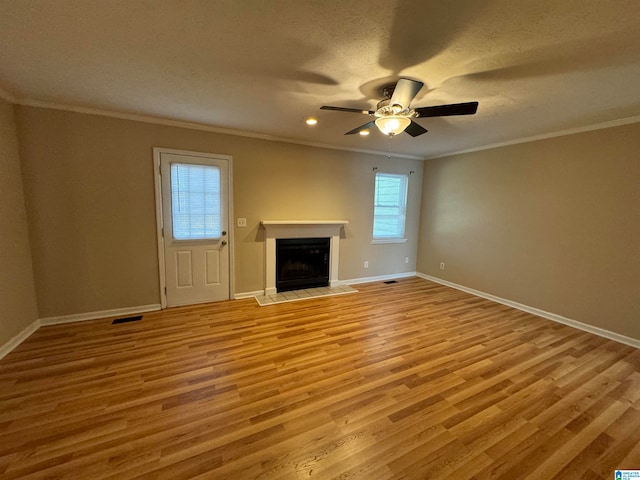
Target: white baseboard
point(601, 332)
point(116, 312)
point(19, 338)
point(79, 317)
point(241, 295)
point(378, 278)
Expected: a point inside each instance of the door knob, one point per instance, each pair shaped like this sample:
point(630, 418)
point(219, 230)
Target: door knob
point(224, 233)
point(224, 242)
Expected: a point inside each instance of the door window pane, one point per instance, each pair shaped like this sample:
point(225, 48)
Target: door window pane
point(195, 201)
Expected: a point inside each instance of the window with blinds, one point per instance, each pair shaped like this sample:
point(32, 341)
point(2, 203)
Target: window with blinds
point(195, 201)
point(390, 206)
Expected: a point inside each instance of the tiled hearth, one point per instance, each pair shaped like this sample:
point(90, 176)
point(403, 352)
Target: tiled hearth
point(305, 294)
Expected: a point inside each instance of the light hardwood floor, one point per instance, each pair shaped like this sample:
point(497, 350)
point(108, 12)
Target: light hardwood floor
point(408, 380)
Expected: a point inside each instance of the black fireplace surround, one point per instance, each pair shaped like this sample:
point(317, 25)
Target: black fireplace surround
point(302, 263)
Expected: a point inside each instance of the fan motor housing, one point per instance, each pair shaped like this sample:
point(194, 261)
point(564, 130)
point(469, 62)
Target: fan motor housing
point(387, 90)
point(383, 103)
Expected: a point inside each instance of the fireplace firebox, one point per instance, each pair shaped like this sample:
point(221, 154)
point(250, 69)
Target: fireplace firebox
point(302, 263)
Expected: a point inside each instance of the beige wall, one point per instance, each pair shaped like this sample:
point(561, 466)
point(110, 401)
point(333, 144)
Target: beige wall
point(18, 307)
point(89, 186)
point(553, 224)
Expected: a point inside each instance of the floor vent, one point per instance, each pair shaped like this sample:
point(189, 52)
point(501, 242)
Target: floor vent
point(127, 319)
point(390, 281)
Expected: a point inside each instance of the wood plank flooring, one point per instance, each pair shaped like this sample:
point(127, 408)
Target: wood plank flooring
point(411, 380)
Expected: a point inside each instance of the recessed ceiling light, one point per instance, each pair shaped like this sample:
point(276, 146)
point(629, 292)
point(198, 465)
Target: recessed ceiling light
point(364, 133)
point(311, 120)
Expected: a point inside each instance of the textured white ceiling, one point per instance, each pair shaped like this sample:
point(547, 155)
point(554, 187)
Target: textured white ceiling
point(261, 66)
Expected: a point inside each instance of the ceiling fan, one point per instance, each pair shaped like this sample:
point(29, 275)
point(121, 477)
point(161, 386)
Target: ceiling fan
point(394, 113)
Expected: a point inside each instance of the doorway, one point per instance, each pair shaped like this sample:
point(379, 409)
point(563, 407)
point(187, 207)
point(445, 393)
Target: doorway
point(192, 215)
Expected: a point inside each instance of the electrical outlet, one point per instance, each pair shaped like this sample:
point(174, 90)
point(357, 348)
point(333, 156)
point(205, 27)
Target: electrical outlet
point(441, 265)
point(366, 264)
point(406, 259)
point(241, 222)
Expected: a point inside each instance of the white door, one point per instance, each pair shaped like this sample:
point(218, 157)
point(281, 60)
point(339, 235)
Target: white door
point(195, 219)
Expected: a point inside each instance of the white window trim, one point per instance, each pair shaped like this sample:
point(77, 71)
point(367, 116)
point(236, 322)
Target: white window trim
point(199, 238)
point(382, 241)
point(399, 239)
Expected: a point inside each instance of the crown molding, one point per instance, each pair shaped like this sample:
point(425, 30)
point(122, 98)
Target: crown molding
point(560, 133)
point(240, 133)
point(199, 126)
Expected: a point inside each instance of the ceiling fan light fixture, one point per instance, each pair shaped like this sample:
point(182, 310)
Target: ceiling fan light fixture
point(392, 124)
point(394, 112)
point(364, 133)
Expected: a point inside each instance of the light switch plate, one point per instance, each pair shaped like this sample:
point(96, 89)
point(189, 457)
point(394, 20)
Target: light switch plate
point(241, 222)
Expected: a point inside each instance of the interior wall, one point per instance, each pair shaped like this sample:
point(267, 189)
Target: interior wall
point(91, 206)
point(553, 224)
point(18, 308)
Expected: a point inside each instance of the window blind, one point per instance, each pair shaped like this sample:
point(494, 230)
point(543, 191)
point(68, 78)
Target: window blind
point(195, 201)
point(390, 204)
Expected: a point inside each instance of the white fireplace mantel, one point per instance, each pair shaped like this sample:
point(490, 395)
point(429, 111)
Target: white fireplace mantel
point(275, 229)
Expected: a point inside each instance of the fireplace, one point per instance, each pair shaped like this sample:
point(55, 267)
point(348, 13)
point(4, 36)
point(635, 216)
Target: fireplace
point(302, 263)
point(289, 229)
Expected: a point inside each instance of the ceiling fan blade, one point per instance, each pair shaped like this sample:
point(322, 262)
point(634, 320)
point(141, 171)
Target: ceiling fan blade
point(468, 108)
point(415, 129)
point(404, 92)
point(361, 127)
point(343, 109)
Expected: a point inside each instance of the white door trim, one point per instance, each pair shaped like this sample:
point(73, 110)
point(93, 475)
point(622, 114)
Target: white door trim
point(159, 223)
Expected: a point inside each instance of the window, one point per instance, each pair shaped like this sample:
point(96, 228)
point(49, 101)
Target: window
point(195, 201)
point(390, 207)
